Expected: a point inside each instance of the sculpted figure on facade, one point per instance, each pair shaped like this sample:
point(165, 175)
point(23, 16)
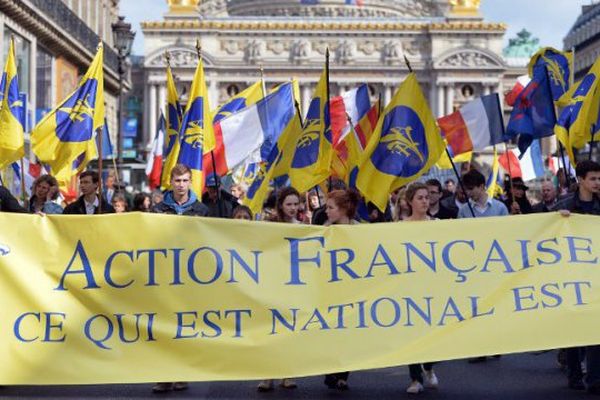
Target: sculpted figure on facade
point(300, 50)
point(392, 51)
point(468, 59)
point(254, 50)
point(345, 51)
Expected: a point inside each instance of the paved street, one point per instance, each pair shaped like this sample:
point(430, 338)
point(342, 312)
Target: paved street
point(514, 377)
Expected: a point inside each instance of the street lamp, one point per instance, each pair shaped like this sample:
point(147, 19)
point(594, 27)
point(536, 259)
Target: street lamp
point(123, 40)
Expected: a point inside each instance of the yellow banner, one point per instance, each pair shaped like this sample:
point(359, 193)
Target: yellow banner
point(149, 298)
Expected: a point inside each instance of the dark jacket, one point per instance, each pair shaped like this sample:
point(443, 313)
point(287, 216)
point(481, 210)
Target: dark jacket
point(223, 207)
point(573, 203)
point(8, 203)
point(445, 212)
point(449, 203)
point(191, 208)
point(523, 202)
point(78, 207)
point(542, 207)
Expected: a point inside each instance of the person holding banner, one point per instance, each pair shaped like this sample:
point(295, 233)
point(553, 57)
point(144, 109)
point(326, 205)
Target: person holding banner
point(89, 202)
point(287, 203)
point(8, 203)
point(341, 209)
point(180, 200)
point(585, 200)
point(481, 205)
point(417, 199)
point(45, 191)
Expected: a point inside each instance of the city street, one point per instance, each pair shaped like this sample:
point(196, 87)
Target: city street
point(525, 376)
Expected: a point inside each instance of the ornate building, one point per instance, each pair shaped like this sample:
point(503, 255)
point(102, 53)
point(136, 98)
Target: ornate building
point(55, 42)
point(455, 53)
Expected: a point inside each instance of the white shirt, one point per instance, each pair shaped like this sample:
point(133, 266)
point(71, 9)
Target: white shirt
point(90, 208)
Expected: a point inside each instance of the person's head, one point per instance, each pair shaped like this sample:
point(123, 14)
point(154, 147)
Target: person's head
point(242, 212)
point(212, 186)
point(315, 200)
point(238, 191)
point(142, 202)
point(450, 185)
point(181, 180)
point(401, 209)
point(417, 198)
point(287, 204)
point(518, 188)
point(548, 191)
point(474, 183)
point(88, 182)
point(588, 174)
point(110, 179)
point(44, 185)
point(341, 205)
point(157, 197)
point(435, 191)
point(119, 203)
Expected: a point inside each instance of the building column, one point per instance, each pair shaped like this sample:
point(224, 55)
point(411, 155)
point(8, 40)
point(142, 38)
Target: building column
point(162, 99)
point(213, 92)
point(486, 89)
point(153, 110)
point(432, 102)
point(387, 94)
point(440, 100)
point(305, 97)
point(449, 99)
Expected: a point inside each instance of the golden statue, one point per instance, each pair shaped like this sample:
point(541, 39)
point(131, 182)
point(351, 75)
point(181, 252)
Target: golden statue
point(183, 5)
point(465, 7)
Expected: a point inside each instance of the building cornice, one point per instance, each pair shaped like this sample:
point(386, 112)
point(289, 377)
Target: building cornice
point(224, 25)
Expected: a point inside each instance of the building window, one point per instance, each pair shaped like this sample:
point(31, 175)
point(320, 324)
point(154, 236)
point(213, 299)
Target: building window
point(23, 58)
point(43, 81)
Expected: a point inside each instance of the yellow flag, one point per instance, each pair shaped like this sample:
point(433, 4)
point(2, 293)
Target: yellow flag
point(245, 98)
point(405, 145)
point(173, 119)
point(197, 135)
point(65, 138)
point(312, 156)
point(12, 113)
point(579, 119)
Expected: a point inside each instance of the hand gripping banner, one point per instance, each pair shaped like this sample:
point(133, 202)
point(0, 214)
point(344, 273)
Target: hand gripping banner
point(151, 298)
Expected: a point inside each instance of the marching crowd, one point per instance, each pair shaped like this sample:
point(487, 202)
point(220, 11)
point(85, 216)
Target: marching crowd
point(419, 201)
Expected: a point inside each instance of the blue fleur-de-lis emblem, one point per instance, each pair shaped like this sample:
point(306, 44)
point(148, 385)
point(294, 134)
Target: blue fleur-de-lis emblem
point(194, 134)
point(310, 133)
point(400, 141)
point(402, 150)
point(80, 110)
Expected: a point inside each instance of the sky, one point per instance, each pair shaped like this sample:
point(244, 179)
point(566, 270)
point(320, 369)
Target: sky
point(548, 20)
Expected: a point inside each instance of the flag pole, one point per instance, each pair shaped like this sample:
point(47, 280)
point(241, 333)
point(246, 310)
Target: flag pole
point(410, 70)
point(328, 109)
point(99, 134)
point(561, 148)
point(23, 183)
point(212, 153)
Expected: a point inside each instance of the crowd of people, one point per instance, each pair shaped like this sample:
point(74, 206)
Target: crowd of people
point(419, 201)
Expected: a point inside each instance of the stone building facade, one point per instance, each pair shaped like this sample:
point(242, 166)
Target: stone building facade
point(456, 54)
point(55, 42)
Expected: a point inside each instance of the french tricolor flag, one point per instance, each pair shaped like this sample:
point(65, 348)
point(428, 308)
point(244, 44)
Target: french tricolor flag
point(155, 157)
point(529, 165)
point(511, 97)
point(475, 126)
point(248, 135)
point(353, 105)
